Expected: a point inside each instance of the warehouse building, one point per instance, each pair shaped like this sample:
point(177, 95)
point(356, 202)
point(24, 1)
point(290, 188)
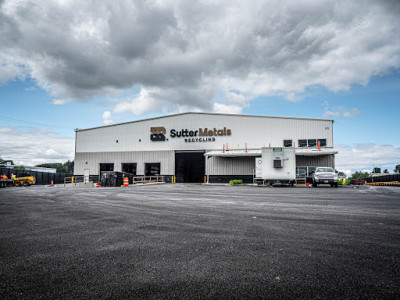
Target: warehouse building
point(193, 147)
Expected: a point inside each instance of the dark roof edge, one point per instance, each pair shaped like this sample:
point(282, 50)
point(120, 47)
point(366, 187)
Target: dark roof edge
point(203, 113)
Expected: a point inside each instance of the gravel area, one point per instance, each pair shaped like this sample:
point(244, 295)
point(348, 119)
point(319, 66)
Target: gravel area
point(197, 241)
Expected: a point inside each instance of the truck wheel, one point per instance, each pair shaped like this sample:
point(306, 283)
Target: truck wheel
point(315, 184)
point(336, 185)
point(26, 183)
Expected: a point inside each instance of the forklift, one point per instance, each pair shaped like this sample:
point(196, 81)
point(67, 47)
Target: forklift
point(25, 179)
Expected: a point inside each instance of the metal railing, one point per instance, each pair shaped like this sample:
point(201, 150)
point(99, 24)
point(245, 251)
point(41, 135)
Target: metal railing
point(148, 179)
point(74, 179)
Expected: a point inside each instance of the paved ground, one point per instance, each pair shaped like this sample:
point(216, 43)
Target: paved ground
point(194, 241)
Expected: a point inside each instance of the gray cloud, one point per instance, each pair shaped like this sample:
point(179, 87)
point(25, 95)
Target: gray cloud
point(32, 146)
point(184, 54)
point(366, 156)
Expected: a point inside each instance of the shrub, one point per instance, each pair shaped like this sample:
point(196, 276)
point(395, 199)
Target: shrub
point(344, 182)
point(236, 181)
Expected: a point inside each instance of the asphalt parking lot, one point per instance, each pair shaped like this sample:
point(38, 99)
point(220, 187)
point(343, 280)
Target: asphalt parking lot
point(196, 241)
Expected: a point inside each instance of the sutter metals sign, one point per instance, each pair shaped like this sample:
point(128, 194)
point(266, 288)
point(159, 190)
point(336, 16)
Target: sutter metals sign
point(201, 135)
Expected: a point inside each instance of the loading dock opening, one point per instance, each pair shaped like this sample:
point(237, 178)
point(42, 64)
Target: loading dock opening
point(129, 168)
point(106, 167)
point(190, 166)
point(152, 169)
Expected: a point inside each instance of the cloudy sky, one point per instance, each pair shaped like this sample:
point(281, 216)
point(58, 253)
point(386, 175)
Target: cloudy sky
point(78, 64)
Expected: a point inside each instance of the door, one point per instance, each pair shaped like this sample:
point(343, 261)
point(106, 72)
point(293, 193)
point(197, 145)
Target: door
point(190, 166)
point(86, 175)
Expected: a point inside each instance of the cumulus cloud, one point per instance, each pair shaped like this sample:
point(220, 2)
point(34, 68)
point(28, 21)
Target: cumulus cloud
point(183, 54)
point(143, 103)
point(32, 146)
point(230, 103)
point(366, 156)
point(341, 111)
point(107, 118)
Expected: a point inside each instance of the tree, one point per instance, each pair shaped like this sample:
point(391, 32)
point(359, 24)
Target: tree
point(342, 174)
point(5, 161)
point(397, 169)
point(376, 170)
point(359, 174)
point(67, 167)
point(59, 167)
point(386, 171)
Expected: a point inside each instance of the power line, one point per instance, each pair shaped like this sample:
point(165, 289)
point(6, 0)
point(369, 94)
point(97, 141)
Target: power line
point(35, 123)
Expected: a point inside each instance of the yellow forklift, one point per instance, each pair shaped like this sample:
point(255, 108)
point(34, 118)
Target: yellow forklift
point(25, 179)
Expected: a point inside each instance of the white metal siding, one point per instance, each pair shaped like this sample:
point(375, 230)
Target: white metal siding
point(257, 132)
point(217, 165)
point(93, 159)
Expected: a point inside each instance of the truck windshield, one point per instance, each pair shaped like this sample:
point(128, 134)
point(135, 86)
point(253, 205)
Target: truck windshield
point(324, 170)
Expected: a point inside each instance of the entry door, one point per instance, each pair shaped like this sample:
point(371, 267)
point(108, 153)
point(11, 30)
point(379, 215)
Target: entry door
point(86, 175)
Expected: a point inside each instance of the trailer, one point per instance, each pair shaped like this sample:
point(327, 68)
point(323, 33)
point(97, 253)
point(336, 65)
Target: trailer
point(276, 166)
point(6, 182)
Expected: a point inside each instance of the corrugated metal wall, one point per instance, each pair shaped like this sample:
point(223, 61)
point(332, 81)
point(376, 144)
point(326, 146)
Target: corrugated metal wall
point(91, 161)
point(216, 165)
point(256, 131)
point(315, 161)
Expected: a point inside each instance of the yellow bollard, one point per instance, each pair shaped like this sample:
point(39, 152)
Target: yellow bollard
point(205, 179)
point(72, 180)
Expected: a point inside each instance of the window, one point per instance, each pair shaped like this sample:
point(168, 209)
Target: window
point(325, 169)
point(312, 143)
point(322, 142)
point(302, 143)
point(129, 168)
point(287, 143)
point(106, 167)
point(305, 171)
point(301, 171)
point(152, 169)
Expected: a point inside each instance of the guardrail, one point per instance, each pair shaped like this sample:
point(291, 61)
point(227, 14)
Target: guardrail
point(393, 183)
point(74, 179)
point(148, 179)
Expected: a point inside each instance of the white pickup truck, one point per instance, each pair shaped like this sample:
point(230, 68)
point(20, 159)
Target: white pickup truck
point(325, 175)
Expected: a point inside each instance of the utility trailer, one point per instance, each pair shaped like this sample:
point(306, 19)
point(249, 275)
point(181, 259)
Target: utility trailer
point(6, 182)
point(276, 166)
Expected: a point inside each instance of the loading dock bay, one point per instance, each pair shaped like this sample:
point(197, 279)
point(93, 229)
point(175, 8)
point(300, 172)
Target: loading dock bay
point(195, 241)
